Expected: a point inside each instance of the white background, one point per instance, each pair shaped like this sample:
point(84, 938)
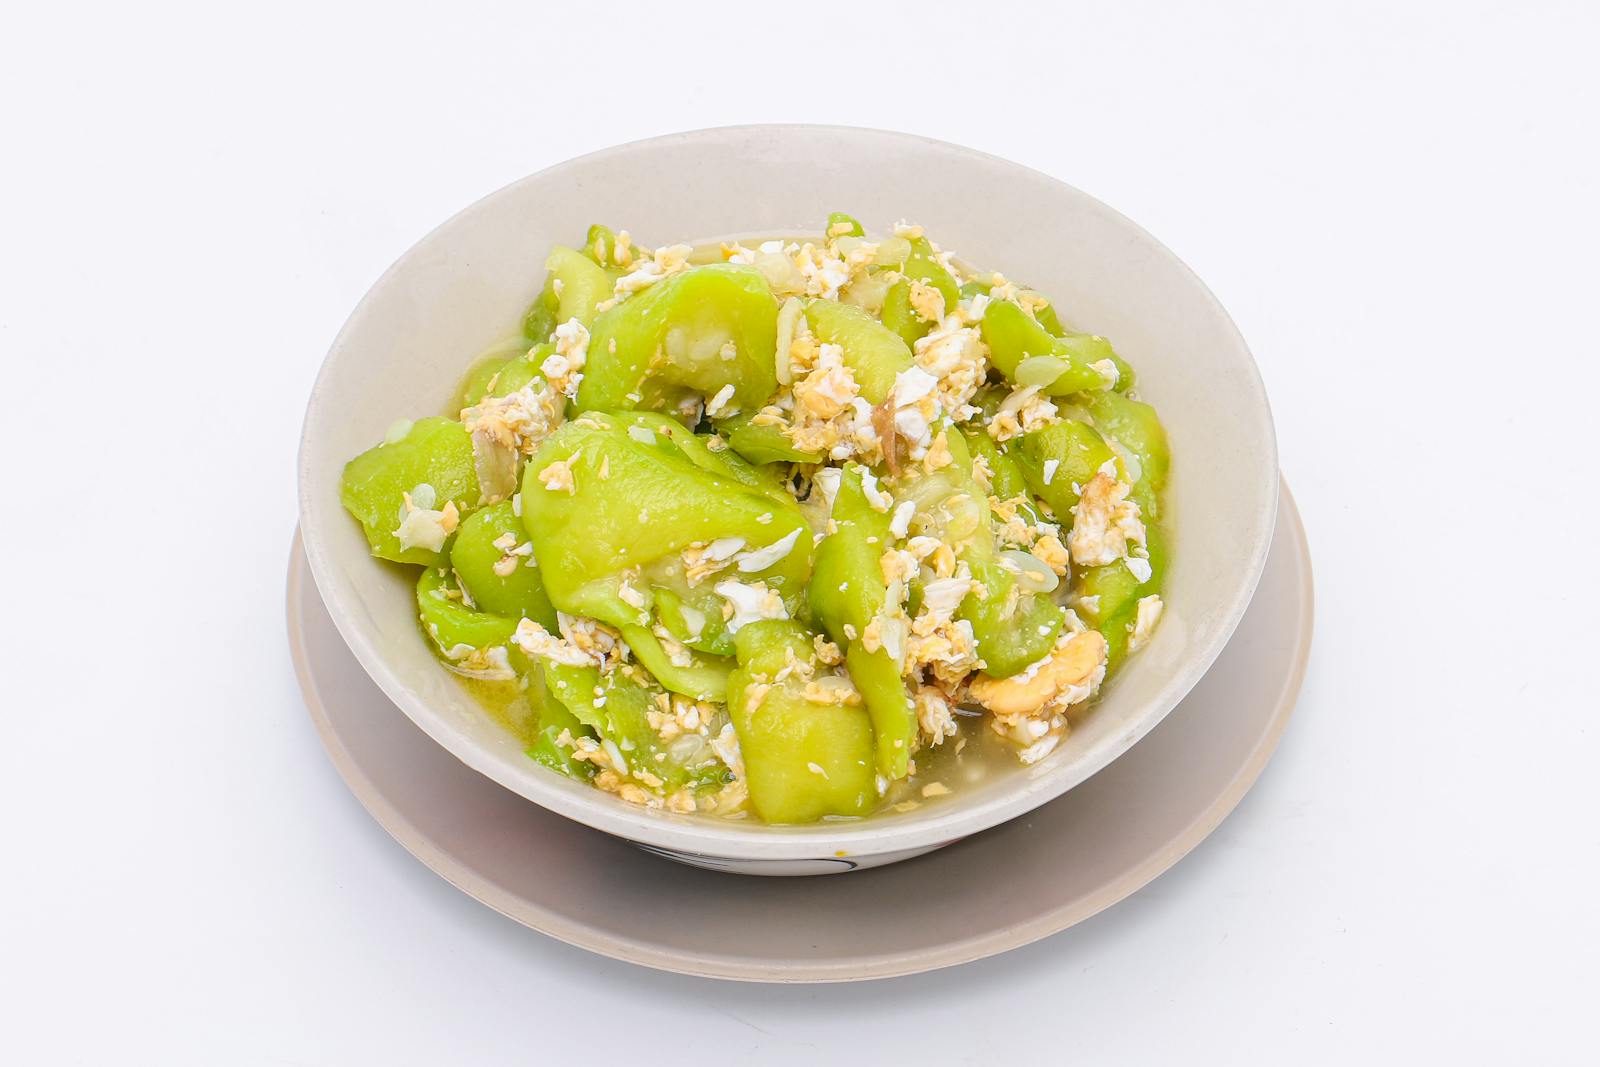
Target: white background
point(1396, 202)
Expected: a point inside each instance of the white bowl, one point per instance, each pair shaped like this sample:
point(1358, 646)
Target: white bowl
point(464, 286)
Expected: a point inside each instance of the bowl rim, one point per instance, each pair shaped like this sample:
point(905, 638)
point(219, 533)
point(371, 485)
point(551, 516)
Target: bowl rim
point(744, 840)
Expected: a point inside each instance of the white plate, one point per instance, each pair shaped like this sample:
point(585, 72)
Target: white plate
point(1018, 882)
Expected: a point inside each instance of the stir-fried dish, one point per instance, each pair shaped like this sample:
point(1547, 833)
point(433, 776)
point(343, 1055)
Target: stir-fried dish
point(795, 529)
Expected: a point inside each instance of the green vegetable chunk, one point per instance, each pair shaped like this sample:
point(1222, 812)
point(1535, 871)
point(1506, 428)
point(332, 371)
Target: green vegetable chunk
point(1005, 476)
point(475, 384)
point(763, 444)
point(539, 321)
point(452, 624)
point(583, 285)
point(1026, 353)
point(842, 225)
point(554, 719)
point(616, 706)
point(435, 452)
point(1145, 457)
point(709, 453)
point(1008, 641)
point(1120, 592)
point(601, 246)
point(519, 592)
point(502, 377)
point(873, 352)
point(1044, 313)
point(702, 677)
point(1072, 451)
point(847, 592)
point(1013, 628)
point(635, 502)
point(1046, 316)
point(1133, 425)
point(803, 759)
point(898, 313)
point(692, 615)
point(673, 341)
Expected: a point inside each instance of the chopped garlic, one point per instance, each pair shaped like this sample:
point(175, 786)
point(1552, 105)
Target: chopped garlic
point(761, 558)
point(900, 524)
point(426, 528)
point(750, 603)
point(717, 406)
point(694, 621)
point(944, 595)
point(629, 595)
point(1021, 412)
point(878, 498)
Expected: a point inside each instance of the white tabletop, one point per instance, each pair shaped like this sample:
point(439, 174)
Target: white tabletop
point(1399, 208)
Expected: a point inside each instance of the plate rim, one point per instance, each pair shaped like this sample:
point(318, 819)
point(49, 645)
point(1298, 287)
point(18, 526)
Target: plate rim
point(946, 954)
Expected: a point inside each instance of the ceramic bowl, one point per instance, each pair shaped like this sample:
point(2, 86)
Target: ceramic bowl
point(464, 286)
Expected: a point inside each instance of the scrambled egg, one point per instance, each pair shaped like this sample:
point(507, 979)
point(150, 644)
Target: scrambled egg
point(662, 263)
point(832, 689)
point(828, 388)
point(1105, 523)
point(1023, 411)
point(827, 652)
point(1029, 709)
point(564, 369)
point(505, 428)
point(1049, 550)
point(914, 401)
point(717, 406)
point(1147, 614)
point(954, 354)
point(674, 715)
point(926, 301)
point(935, 717)
point(823, 411)
point(583, 642)
point(934, 642)
point(491, 664)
